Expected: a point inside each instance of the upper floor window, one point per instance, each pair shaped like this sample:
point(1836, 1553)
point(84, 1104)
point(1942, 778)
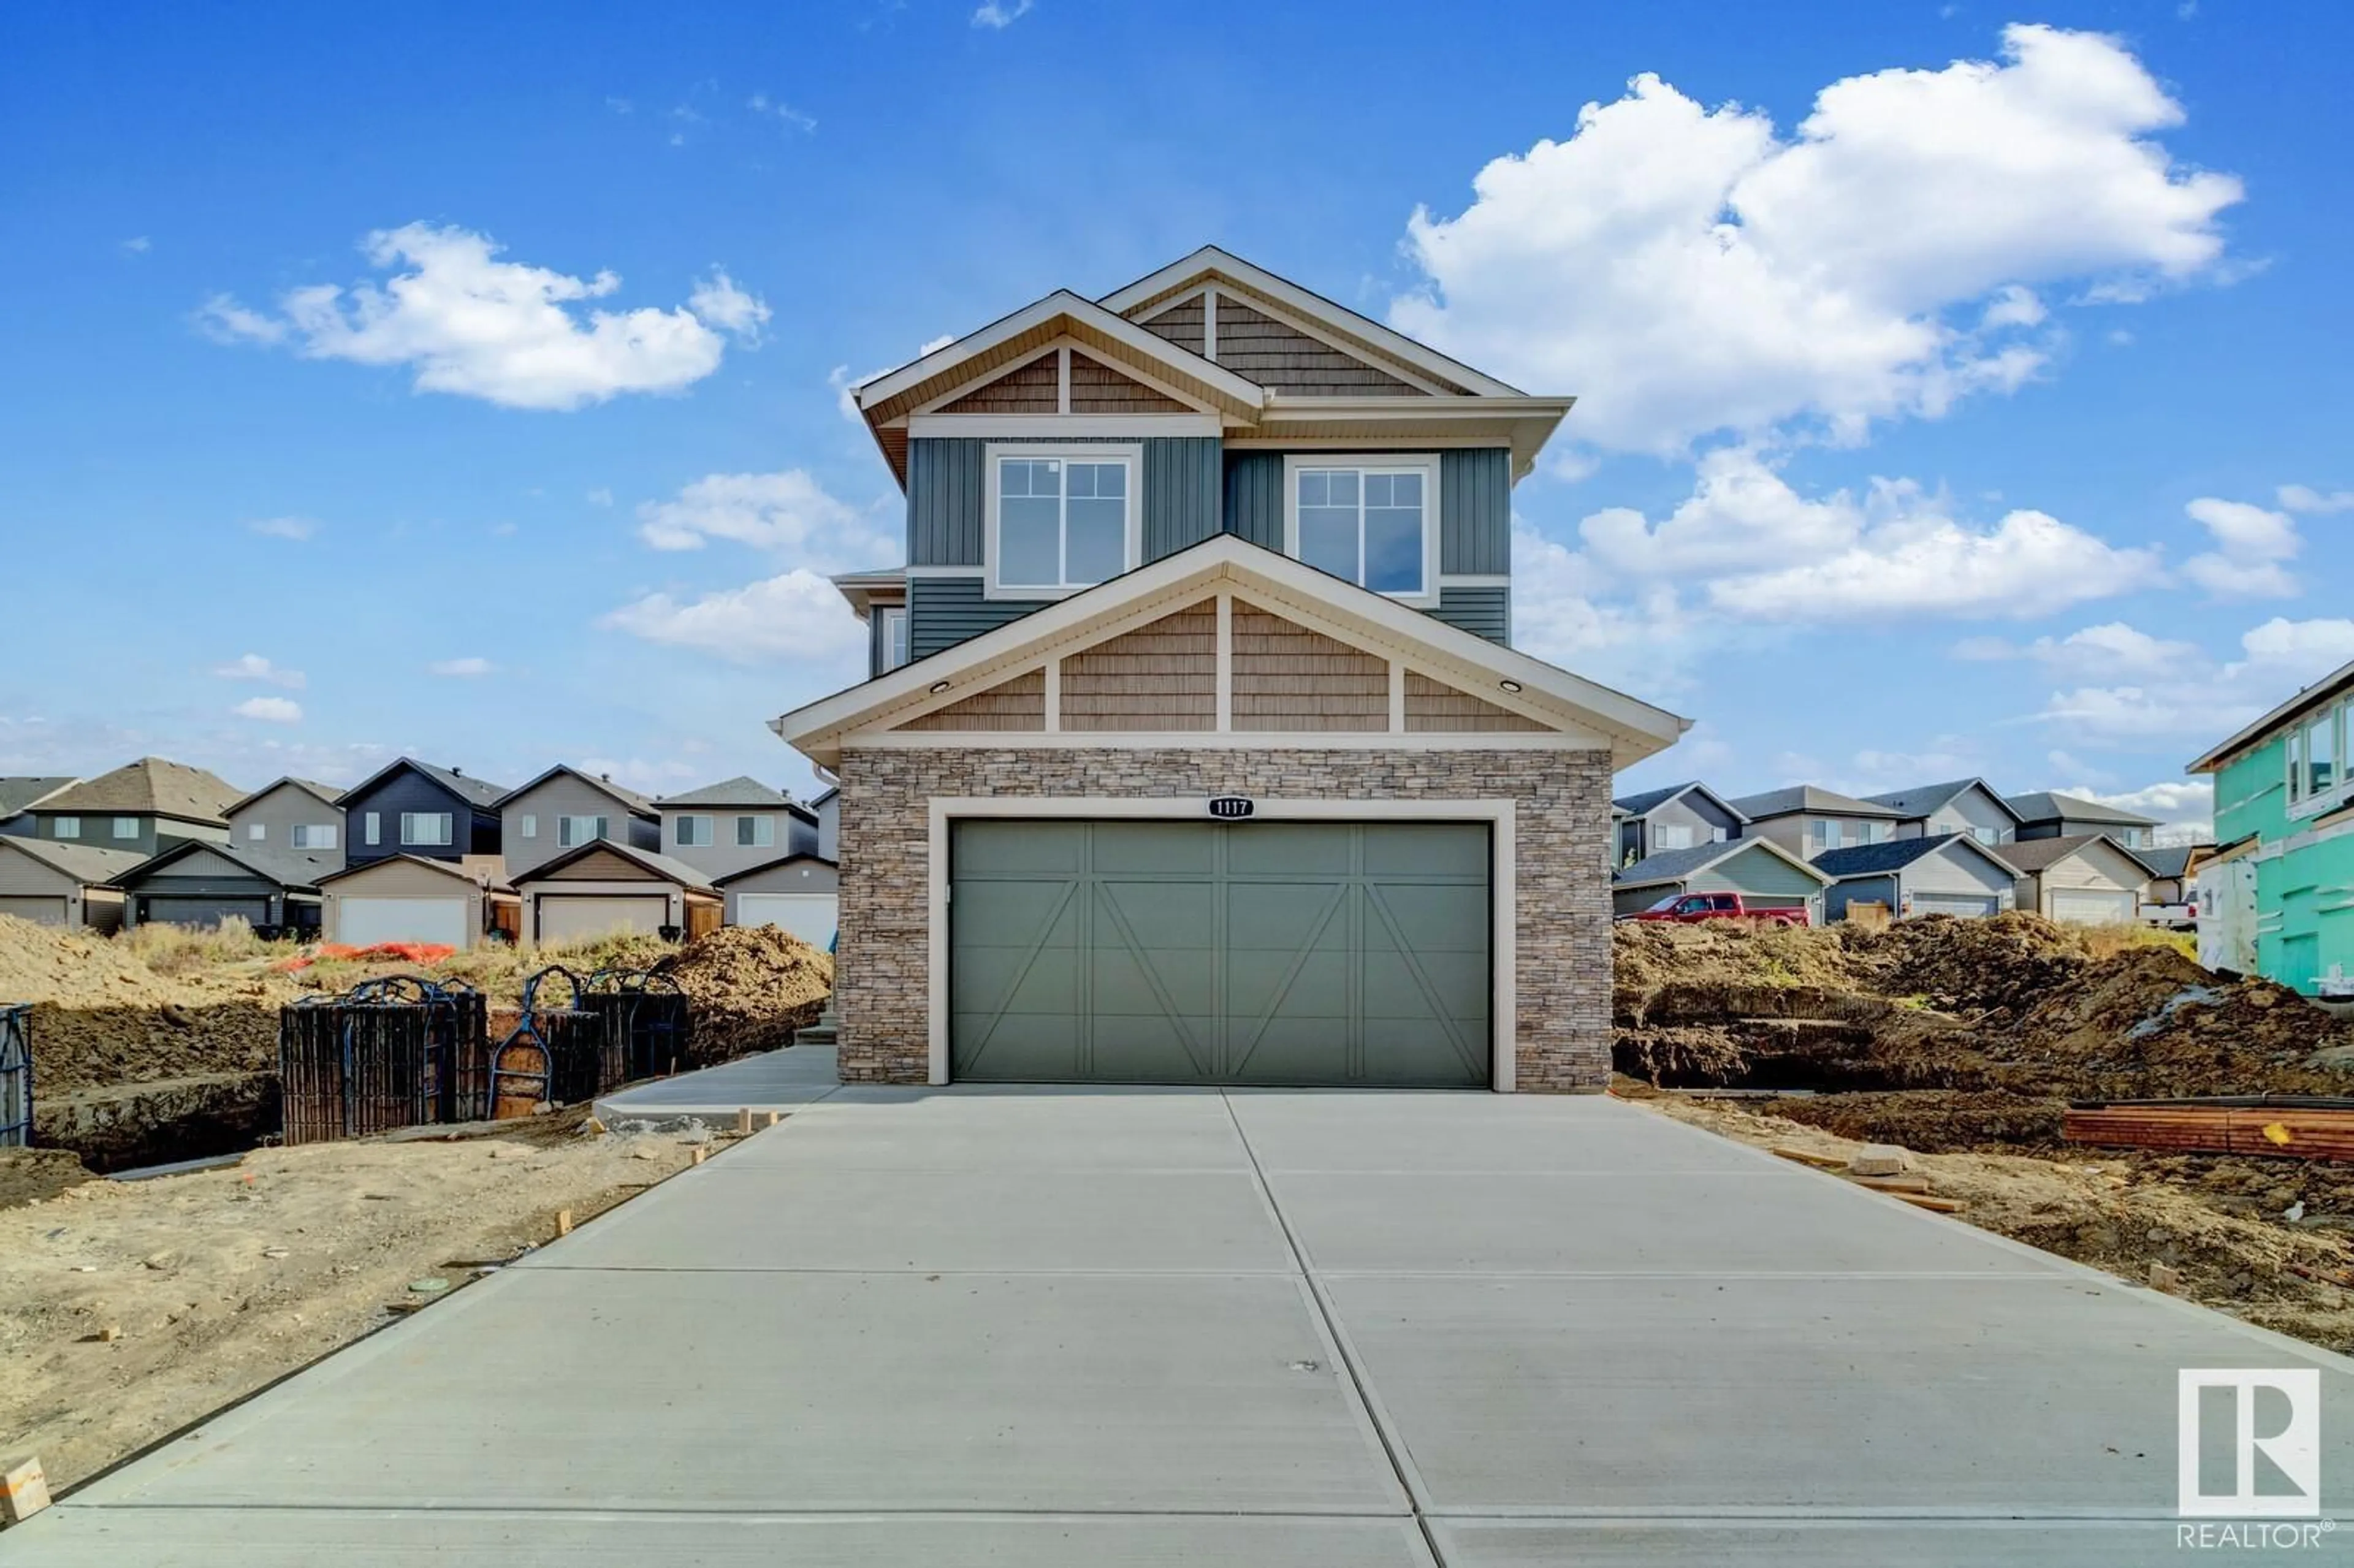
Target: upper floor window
point(372, 827)
point(2320, 749)
point(694, 832)
point(313, 835)
point(1826, 833)
point(1374, 524)
point(126, 827)
point(572, 832)
point(756, 832)
point(430, 827)
point(1672, 835)
point(891, 622)
point(67, 827)
point(1061, 519)
point(257, 831)
point(1875, 832)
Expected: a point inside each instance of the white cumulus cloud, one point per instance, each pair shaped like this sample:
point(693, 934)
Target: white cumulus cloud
point(1689, 271)
point(2204, 699)
point(295, 528)
point(797, 614)
point(2304, 498)
point(254, 667)
point(788, 512)
point(466, 322)
point(463, 669)
point(1000, 13)
point(269, 710)
point(2253, 547)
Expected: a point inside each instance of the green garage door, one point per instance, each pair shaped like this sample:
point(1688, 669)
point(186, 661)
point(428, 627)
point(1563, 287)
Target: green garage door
point(1152, 952)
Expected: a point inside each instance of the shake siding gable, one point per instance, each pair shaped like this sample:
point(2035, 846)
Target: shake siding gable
point(1181, 324)
point(1019, 703)
point(1282, 358)
point(1035, 388)
point(1162, 676)
point(1286, 677)
point(1097, 389)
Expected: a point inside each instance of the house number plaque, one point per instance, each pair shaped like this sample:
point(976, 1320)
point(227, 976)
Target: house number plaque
point(1232, 807)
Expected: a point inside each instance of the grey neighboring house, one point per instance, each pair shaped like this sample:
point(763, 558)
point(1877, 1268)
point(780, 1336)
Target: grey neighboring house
point(800, 894)
point(1942, 874)
point(1969, 806)
point(564, 810)
point(53, 884)
point(19, 794)
point(1766, 876)
point(145, 806)
point(1680, 816)
point(735, 825)
point(2046, 815)
point(292, 817)
point(1809, 821)
point(203, 884)
point(828, 808)
point(2085, 879)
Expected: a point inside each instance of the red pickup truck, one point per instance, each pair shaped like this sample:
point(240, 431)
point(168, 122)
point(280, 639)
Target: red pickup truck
point(1687, 907)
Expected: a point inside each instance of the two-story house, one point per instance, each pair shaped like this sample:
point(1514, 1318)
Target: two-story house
point(2046, 815)
point(19, 793)
point(1211, 760)
point(1966, 806)
point(1680, 816)
point(1809, 821)
point(142, 808)
point(422, 859)
point(735, 825)
point(565, 809)
point(283, 839)
point(412, 807)
point(2277, 896)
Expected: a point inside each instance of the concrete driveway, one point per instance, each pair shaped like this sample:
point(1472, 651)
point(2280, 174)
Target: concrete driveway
point(1067, 1329)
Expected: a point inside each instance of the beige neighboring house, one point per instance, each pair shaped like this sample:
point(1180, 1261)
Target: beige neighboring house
point(565, 808)
point(2085, 879)
point(145, 806)
point(53, 884)
point(1809, 821)
point(735, 825)
point(291, 817)
point(799, 895)
point(408, 898)
point(602, 887)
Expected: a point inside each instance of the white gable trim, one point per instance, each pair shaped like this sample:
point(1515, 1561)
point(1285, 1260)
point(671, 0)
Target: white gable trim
point(1546, 693)
point(1732, 847)
point(1214, 263)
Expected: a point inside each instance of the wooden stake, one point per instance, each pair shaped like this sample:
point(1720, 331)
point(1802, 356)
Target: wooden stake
point(1809, 1157)
point(1935, 1206)
point(697, 1157)
point(23, 1491)
point(744, 1122)
point(563, 1221)
point(772, 1118)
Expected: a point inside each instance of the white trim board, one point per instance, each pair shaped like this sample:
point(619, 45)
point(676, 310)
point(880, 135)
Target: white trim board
point(1130, 457)
point(1052, 427)
point(1499, 815)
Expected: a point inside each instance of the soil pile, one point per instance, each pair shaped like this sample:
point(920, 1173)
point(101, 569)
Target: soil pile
point(750, 987)
point(103, 1014)
point(2009, 962)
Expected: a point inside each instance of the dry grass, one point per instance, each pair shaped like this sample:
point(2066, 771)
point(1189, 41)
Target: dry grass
point(2108, 941)
point(185, 949)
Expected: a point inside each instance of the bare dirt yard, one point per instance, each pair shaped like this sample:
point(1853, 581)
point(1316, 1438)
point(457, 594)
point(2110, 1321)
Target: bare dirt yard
point(128, 1309)
point(1965, 1042)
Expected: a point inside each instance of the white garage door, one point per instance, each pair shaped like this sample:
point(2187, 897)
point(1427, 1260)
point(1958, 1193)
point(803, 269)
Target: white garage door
point(1970, 905)
point(809, 916)
point(2092, 906)
point(363, 922)
point(44, 910)
point(565, 919)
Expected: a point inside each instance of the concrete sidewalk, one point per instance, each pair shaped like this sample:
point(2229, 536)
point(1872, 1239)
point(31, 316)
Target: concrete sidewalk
point(774, 1080)
point(1075, 1327)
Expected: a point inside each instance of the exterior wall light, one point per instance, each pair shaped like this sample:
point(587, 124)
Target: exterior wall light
point(1509, 685)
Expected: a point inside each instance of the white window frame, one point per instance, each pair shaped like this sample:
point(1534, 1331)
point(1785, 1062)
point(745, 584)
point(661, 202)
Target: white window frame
point(65, 827)
point(567, 830)
point(1108, 451)
point(449, 831)
point(259, 832)
point(527, 825)
point(126, 827)
point(2337, 723)
point(311, 836)
point(700, 838)
point(1363, 463)
point(1681, 838)
point(372, 827)
point(891, 627)
point(761, 822)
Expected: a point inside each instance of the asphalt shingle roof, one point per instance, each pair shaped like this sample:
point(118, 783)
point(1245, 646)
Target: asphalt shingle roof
point(327, 794)
point(22, 791)
point(1806, 798)
point(1924, 799)
point(2171, 860)
point(642, 804)
point(480, 792)
point(1635, 805)
point(741, 790)
point(287, 868)
point(152, 786)
point(88, 862)
point(2044, 806)
point(1673, 865)
point(1891, 854)
point(2034, 855)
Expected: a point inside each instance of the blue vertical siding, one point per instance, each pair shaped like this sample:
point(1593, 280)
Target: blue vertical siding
point(946, 501)
point(1254, 497)
point(1182, 486)
point(945, 612)
point(1481, 611)
point(472, 829)
point(1475, 532)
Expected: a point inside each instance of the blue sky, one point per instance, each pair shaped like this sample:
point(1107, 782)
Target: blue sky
point(1959, 389)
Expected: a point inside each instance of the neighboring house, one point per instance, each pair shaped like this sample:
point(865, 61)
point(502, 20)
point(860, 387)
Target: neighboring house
point(292, 816)
point(564, 810)
point(1766, 876)
point(735, 825)
point(2284, 812)
point(2085, 879)
point(409, 898)
point(879, 599)
point(1968, 806)
point(203, 884)
point(53, 884)
point(144, 807)
point(2170, 870)
point(1680, 816)
point(1211, 762)
point(2045, 815)
point(602, 887)
point(1947, 873)
point(1809, 821)
point(19, 794)
point(415, 809)
point(828, 808)
point(799, 895)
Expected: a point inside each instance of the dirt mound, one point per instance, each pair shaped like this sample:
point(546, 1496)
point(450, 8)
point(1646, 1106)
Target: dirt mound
point(750, 986)
point(28, 1175)
point(102, 1013)
point(1656, 959)
point(1953, 965)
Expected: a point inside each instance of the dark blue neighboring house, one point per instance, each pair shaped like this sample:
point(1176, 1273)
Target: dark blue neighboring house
point(415, 808)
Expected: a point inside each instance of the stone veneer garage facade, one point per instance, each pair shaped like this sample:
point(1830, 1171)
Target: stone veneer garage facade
point(1378, 716)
